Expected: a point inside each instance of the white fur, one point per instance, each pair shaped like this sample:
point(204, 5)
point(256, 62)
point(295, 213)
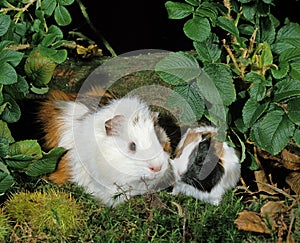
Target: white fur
point(229, 180)
point(102, 163)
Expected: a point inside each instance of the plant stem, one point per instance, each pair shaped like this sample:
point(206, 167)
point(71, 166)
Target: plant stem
point(87, 18)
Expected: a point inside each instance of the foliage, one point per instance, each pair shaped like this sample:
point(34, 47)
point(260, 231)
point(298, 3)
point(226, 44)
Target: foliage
point(52, 214)
point(30, 49)
point(244, 71)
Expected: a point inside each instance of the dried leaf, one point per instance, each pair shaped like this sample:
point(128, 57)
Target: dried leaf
point(290, 160)
point(261, 179)
point(251, 221)
point(293, 180)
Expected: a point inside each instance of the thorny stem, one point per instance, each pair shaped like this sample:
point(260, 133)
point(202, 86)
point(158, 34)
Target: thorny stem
point(87, 18)
point(232, 57)
point(20, 10)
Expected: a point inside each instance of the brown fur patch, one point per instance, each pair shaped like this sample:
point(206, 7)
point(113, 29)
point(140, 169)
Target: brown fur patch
point(191, 137)
point(62, 173)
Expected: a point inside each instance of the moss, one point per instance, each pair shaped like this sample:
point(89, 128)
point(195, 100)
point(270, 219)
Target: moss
point(47, 214)
point(4, 226)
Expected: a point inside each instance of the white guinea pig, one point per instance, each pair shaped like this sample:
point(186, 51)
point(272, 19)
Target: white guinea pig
point(113, 152)
point(204, 167)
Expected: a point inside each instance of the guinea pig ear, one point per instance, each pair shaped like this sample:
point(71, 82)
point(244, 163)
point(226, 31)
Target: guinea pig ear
point(113, 125)
point(154, 115)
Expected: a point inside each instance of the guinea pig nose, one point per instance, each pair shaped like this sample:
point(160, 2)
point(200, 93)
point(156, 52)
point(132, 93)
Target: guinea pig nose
point(156, 168)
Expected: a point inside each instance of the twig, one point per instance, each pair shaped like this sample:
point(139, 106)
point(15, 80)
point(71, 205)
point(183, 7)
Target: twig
point(232, 56)
point(87, 18)
point(277, 190)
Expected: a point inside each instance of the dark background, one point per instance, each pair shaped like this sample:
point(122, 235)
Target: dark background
point(133, 25)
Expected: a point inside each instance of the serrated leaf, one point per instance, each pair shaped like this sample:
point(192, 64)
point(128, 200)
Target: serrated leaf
point(295, 70)
point(252, 111)
point(289, 55)
point(12, 112)
point(282, 70)
point(47, 164)
point(286, 89)
point(178, 68)
point(183, 103)
point(228, 25)
point(273, 132)
point(6, 182)
point(221, 84)
point(8, 74)
point(4, 24)
point(294, 110)
point(208, 50)
point(287, 37)
point(62, 16)
point(197, 29)
point(257, 91)
point(178, 10)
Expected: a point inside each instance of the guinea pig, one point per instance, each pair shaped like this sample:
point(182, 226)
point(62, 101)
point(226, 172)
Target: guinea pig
point(204, 168)
point(115, 152)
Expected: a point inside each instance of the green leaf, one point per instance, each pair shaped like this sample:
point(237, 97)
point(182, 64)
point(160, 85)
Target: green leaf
point(282, 70)
point(11, 56)
point(178, 68)
point(65, 2)
point(228, 25)
point(53, 29)
point(186, 103)
point(18, 90)
point(273, 132)
point(297, 136)
point(12, 112)
point(253, 166)
point(289, 55)
point(208, 10)
point(197, 29)
point(47, 164)
point(287, 37)
point(39, 68)
point(62, 16)
point(295, 70)
point(293, 107)
point(252, 111)
point(5, 132)
point(4, 24)
point(48, 6)
point(257, 91)
point(8, 74)
point(286, 89)
point(208, 50)
point(58, 56)
point(221, 79)
point(193, 2)
point(26, 147)
point(4, 147)
point(178, 10)
point(6, 182)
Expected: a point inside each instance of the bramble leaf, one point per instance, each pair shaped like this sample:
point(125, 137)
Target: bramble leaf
point(197, 29)
point(273, 132)
point(178, 68)
point(178, 10)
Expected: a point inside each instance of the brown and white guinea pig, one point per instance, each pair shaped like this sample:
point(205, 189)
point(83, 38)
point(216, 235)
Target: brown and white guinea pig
point(115, 151)
point(204, 167)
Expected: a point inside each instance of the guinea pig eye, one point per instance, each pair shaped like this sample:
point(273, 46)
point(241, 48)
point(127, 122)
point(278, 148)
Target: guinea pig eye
point(132, 147)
